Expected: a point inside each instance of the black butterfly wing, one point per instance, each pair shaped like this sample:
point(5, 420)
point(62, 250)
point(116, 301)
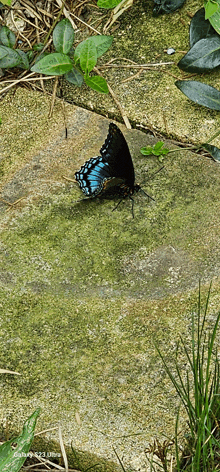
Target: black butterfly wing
point(111, 173)
point(115, 151)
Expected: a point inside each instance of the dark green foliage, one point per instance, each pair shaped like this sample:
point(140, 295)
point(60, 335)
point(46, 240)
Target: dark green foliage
point(200, 93)
point(200, 28)
point(166, 6)
point(8, 58)
point(74, 65)
point(24, 62)
point(7, 37)
point(203, 56)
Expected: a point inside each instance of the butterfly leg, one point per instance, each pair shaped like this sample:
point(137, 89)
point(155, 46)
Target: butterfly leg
point(117, 204)
point(132, 205)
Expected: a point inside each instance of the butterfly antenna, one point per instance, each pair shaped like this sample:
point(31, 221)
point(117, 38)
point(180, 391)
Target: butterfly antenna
point(161, 168)
point(152, 176)
point(151, 198)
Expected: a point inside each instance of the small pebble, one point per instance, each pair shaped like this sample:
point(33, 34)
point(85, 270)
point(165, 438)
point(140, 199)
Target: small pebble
point(171, 51)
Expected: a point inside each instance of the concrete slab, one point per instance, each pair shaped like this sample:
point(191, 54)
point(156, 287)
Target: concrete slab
point(85, 291)
point(151, 99)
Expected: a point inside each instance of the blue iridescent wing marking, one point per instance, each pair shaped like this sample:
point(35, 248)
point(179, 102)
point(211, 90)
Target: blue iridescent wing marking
point(112, 173)
point(92, 175)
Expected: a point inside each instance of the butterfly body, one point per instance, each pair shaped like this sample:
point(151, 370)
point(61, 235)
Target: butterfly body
point(111, 173)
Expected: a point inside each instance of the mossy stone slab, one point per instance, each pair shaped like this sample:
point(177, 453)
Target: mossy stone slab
point(85, 291)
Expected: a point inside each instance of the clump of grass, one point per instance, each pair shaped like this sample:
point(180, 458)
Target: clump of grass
point(199, 392)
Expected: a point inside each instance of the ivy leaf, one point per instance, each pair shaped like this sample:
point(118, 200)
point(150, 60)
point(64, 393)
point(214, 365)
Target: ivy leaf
point(24, 63)
point(88, 56)
point(203, 56)
point(97, 83)
point(8, 57)
point(85, 55)
point(53, 64)
point(74, 77)
point(63, 36)
point(7, 37)
point(200, 93)
point(102, 43)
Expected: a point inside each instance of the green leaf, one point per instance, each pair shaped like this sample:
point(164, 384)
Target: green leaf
point(3, 53)
point(74, 77)
point(6, 2)
point(24, 63)
point(7, 37)
point(41, 56)
point(166, 6)
point(102, 43)
point(203, 56)
point(11, 460)
point(158, 146)
point(53, 64)
point(215, 19)
point(8, 57)
point(211, 7)
point(88, 56)
point(97, 83)
point(213, 150)
point(108, 3)
point(156, 150)
point(199, 27)
point(63, 36)
point(38, 47)
point(200, 93)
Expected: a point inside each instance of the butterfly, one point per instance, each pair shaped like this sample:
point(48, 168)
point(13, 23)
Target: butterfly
point(112, 173)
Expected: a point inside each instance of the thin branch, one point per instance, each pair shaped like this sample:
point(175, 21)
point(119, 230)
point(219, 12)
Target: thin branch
point(66, 13)
point(134, 66)
point(53, 96)
point(84, 23)
point(133, 76)
point(63, 451)
point(123, 114)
